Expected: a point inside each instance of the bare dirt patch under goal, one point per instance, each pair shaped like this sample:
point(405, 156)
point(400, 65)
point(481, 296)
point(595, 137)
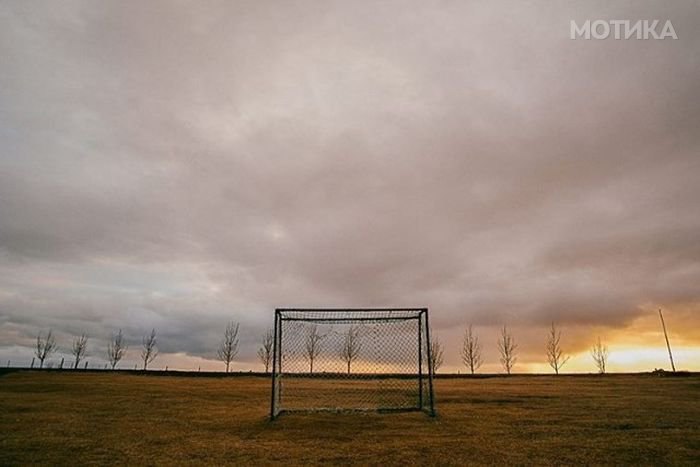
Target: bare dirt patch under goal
point(76, 418)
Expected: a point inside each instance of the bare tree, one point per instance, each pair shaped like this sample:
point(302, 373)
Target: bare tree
point(471, 350)
point(265, 350)
point(351, 346)
point(599, 352)
point(45, 347)
point(555, 355)
point(149, 349)
point(436, 352)
point(79, 348)
point(115, 349)
point(312, 346)
point(508, 350)
point(228, 349)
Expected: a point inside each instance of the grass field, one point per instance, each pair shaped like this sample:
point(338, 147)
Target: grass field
point(78, 418)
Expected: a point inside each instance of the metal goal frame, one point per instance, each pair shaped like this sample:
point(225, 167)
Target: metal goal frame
point(417, 375)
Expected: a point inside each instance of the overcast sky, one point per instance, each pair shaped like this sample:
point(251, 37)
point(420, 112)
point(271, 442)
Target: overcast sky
point(181, 164)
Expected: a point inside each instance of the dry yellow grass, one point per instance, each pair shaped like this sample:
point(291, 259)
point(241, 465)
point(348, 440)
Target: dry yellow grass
point(79, 418)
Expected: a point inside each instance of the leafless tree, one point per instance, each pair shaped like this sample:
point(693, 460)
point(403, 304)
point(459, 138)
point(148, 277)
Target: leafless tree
point(265, 350)
point(436, 352)
point(508, 350)
point(79, 348)
point(149, 349)
point(228, 349)
point(555, 355)
point(116, 349)
point(599, 352)
point(312, 346)
point(471, 350)
point(351, 346)
point(45, 347)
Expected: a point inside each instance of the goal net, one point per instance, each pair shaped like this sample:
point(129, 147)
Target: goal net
point(351, 359)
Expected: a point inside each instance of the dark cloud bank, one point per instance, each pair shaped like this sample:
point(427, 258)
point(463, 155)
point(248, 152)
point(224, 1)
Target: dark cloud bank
point(178, 165)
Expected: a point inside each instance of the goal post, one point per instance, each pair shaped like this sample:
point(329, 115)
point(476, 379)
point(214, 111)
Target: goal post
point(368, 359)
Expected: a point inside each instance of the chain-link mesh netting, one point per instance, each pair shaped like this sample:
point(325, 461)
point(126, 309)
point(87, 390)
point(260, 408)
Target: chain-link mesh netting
point(351, 360)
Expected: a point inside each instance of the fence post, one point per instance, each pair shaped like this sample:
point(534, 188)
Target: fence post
point(32, 362)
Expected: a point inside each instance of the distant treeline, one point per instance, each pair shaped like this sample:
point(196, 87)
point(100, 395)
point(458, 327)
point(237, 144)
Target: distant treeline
point(227, 350)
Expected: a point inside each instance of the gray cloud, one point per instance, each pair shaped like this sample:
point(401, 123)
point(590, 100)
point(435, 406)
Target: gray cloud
point(177, 165)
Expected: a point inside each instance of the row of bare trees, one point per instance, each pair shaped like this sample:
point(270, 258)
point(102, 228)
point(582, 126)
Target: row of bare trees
point(116, 348)
point(46, 346)
point(228, 348)
point(348, 352)
point(508, 351)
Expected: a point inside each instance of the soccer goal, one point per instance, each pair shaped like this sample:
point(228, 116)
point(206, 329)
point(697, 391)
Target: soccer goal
point(351, 360)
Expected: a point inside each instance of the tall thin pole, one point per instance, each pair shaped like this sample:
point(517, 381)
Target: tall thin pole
point(670, 355)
